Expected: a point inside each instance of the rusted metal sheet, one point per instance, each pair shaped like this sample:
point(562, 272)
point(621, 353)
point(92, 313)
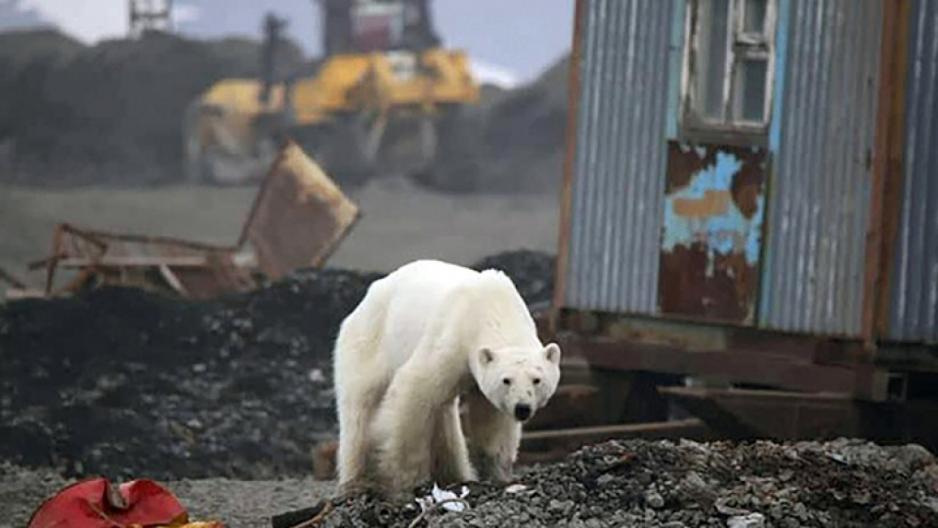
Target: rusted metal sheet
point(570, 147)
point(299, 215)
point(617, 176)
point(886, 185)
point(712, 230)
point(813, 268)
point(913, 311)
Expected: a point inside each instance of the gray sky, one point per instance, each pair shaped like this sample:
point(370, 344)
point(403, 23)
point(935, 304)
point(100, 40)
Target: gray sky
point(522, 36)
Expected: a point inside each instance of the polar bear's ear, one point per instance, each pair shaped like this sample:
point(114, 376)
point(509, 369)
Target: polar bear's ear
point(485, 356)
point(552, 353)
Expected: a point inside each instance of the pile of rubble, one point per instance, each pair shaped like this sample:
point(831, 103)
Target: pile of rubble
point(123, 383)
point(687, 484)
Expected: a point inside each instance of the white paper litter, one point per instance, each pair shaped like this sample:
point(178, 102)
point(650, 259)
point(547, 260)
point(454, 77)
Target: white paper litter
point(515, 488)
point(439, 495)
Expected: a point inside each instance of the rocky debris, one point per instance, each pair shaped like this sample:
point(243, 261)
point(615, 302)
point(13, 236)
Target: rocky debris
point(843, 483)
point(123, 383)
point(22, 490)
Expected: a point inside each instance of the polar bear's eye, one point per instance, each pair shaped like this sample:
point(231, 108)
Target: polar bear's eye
point(506, 381)
point(536, 381)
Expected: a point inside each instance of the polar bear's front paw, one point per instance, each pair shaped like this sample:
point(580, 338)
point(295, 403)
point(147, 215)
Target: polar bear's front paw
point(492, 469)
point(353, 488)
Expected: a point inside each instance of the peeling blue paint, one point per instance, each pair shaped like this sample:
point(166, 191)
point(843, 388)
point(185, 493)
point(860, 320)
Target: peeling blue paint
point(730, 232)
point(781, 60)
point(675, 65)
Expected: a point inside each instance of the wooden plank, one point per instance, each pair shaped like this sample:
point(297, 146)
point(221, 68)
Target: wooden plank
point(570, 439)
point(134, 261)
point(172, 279)
point(566, 193)
point(886, 185)
point(739, 366)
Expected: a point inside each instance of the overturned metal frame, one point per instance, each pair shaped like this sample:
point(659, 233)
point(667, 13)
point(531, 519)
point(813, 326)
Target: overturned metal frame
point(297, 219)
point(183, 267)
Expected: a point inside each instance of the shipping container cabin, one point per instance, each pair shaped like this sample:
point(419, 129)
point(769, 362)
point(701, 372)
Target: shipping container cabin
point(751, 195)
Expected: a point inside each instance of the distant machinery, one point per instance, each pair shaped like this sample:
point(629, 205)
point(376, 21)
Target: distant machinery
point(384, 85)
point(148, 15)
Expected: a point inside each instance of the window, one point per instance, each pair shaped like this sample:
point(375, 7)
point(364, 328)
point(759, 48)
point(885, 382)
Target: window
point(728, 69)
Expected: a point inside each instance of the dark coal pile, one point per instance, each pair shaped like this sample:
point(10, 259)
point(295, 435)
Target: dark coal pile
point(125, 383)
point(513, 142)
point(664, 484)
point(109, 113)
point(531, 271)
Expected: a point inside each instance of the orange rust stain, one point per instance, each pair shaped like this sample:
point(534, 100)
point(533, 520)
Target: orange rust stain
point(714, 203)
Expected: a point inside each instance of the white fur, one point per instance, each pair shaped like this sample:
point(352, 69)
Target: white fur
point(424, 339)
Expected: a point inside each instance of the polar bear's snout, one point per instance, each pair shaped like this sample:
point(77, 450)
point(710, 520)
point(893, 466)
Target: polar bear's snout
point(522, 412)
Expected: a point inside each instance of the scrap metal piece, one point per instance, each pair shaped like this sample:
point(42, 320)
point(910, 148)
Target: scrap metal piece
point(299, 215)
point(186, 268)
point(298, 218)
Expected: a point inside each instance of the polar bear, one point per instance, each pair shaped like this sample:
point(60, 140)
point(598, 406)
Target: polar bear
point(425, 339)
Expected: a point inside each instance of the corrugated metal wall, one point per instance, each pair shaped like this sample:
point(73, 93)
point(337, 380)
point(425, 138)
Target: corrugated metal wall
point(619, 167)
point(819, 192)
point(914, 307)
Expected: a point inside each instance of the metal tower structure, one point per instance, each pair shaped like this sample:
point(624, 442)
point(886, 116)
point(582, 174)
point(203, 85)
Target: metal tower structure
point(146, 15)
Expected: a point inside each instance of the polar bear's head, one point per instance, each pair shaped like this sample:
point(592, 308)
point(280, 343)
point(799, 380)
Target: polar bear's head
point(517, 381)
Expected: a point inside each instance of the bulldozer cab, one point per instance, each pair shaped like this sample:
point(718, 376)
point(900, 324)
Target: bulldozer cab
point(366, 26)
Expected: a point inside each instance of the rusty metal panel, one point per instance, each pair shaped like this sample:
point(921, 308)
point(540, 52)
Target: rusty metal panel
point(299, 216)
point(714, 204)
point(618, 172)
point(813, 269)
point(913, 312)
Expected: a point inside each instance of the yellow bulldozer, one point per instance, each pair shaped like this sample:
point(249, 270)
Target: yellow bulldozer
point(376, 99)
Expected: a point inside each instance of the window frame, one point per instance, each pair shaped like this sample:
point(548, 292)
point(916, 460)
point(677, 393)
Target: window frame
point(740, 45)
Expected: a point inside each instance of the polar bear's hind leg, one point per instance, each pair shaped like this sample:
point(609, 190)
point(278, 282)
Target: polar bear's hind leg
point(361, 381)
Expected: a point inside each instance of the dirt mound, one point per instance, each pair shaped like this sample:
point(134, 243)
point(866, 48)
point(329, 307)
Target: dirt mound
point(111, 112)
point(124, 383)
point(663, 484)
point(514, 142)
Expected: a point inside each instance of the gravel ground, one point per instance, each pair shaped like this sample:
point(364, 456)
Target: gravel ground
point(238, 503)
point(688, 484)
point(843, 483)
